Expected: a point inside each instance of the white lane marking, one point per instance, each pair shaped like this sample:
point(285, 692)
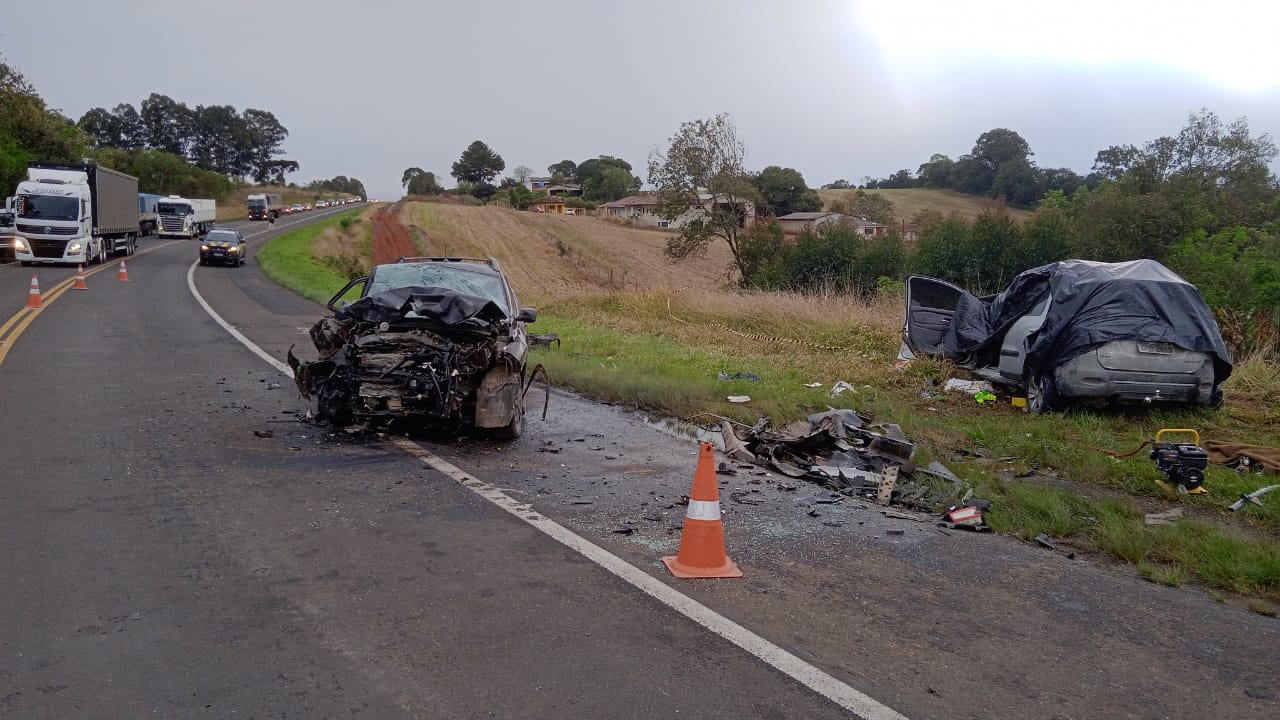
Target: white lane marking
point(815, 679)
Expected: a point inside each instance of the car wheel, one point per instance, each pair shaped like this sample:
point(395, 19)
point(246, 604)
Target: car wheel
point(203, 261)
point(1216, 398)
point(514, 429)
point(1042, 395)
point(26, 263)
point(335, 415)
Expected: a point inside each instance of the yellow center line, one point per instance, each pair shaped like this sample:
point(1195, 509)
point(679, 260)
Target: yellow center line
point(24, 317)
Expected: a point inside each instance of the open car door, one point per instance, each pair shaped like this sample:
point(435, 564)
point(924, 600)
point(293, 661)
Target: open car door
point(931, 304)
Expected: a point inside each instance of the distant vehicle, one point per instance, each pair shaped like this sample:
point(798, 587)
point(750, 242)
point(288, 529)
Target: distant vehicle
point(261, 205)
point(306, 207)
point(570, 211)
point(186, 217)
point(148, 218)
point(433, 339)
point(322, 204)
point(75, 213)
point(1131, 332)
point(8, 229)
point(224, 246)
point(296, 208)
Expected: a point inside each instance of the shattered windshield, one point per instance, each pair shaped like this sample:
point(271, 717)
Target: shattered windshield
point(49, 207)
point(451, 277)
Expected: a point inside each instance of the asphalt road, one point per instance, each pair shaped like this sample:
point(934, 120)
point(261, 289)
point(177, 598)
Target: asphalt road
point(161, 559)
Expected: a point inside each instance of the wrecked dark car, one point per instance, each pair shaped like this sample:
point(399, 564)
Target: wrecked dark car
point(439, 340)
point(1077, 330)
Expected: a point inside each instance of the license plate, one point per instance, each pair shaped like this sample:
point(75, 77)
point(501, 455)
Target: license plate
point(1158, 348)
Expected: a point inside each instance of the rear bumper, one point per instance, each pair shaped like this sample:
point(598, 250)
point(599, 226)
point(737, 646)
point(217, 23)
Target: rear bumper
point(1084, 377)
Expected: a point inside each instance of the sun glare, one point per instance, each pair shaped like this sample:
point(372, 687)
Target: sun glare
point(1227, 43)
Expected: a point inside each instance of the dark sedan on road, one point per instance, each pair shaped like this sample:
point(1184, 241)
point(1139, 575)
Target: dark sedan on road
point(224, 246)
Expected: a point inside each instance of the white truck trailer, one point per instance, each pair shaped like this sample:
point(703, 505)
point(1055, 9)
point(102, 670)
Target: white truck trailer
point(185, 217)
point(75, 213)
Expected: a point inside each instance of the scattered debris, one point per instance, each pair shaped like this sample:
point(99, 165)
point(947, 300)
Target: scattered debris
point(895, 531)
point(1252, 497)
point(724, 469)
point(968, 387)
point(900, 516)
point(624, 530)
point(813, 385)
point(744, 497)
point(1045, 541)
point(842, 387)
point(738, 398)
point(543, 341)
point(722, 375)
point(264, 433)
point(984, 397)
point(1163, 518)
point(845, 453)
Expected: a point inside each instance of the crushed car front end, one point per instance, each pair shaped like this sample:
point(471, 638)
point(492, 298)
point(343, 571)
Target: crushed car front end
point(424, 353)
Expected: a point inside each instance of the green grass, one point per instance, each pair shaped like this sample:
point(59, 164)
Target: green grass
point(623, 349)
point(288, 261)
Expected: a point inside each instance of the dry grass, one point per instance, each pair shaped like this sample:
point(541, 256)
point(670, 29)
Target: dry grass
point(553, 257)
point(910, 201)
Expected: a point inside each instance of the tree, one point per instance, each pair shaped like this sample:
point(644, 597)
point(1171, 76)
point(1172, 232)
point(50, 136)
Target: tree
point(29, 130)
point(937, 172)
point(564, 169)
point(900, 179)
point(167, 124)
point(970, 175)
point(477, 165)
point(999, 146)
point(840, 184)
point(417, 181)
point(522, 174)
point(702, 171)
point(1018, 182)
point(599, 183)
point(483, 192)
point(870, 206)
point(519, 197)
point(783, 191)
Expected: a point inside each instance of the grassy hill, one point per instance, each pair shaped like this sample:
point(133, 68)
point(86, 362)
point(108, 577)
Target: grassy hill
point(910, 201)
point(552, 257)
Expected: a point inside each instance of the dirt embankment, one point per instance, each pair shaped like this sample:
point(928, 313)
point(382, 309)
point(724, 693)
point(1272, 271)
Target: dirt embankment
point(391, 241)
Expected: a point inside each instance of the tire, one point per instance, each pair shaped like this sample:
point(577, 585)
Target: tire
point(338, 417)
point(1042, 394)
point(26, 263)
point(514, 429)
point(204, 262)
point(1216, 399)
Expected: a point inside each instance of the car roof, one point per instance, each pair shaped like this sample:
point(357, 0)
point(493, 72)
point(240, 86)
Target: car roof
point(482, 266)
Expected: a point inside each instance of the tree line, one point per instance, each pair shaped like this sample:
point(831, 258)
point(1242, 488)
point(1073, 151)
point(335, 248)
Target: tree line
point(1204, 202)
point(217, 138)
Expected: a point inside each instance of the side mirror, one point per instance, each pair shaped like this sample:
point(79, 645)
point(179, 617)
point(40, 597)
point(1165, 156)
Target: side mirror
point(527, 315)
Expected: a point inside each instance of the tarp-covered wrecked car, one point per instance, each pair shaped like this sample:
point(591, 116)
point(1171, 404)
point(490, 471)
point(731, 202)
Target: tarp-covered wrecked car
point(1130, 332)
point(434, 339)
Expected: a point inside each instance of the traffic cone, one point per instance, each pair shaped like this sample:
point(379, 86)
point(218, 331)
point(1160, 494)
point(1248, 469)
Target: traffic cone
point(123, 275)
point(33, 295)
point(702, 542)
point(80, 284)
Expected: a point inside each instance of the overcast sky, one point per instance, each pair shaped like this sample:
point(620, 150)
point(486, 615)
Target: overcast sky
point(834, 89)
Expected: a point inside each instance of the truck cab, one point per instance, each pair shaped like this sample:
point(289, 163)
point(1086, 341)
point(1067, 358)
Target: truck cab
point(184, 217)
point(53, 221)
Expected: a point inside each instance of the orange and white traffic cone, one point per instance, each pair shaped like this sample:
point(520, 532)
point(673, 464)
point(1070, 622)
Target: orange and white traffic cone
point(123, 275)
point(33, 295)
point(702, 542)
point(80, 283)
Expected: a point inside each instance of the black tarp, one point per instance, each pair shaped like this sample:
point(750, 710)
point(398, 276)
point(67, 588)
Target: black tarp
point(1092, 304)
point(445, 306)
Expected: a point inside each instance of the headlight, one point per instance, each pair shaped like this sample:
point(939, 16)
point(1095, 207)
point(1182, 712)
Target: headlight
point(19, 244)
point(204, 247)
point(75, 248)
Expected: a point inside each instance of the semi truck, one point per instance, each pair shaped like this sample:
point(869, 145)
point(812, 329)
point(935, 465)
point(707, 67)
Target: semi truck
point(186, 217)
point(148, 217)
point(8, 229)
point(75, 213)
point(262, 205)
